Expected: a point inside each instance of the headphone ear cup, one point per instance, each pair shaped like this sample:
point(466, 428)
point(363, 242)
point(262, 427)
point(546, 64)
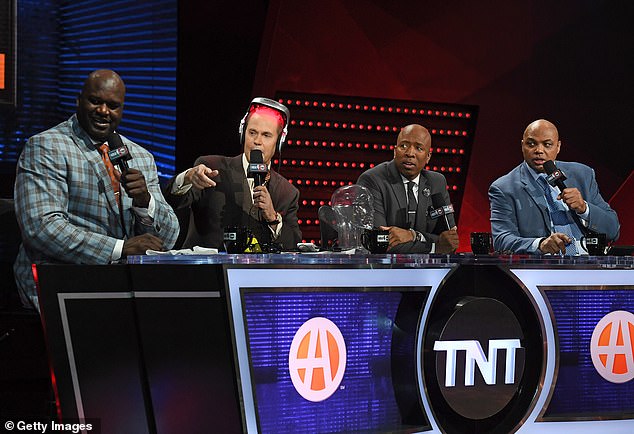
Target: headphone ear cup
point(241, 129)
point(281, 139)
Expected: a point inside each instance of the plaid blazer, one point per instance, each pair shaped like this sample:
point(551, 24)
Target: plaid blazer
point(66, 207)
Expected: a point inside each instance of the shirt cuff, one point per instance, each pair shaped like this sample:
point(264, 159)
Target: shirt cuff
point(146, 215)
point(116, 252)
point(535, 245)
point(178, 188)
point(584, 216)
point(277, 231)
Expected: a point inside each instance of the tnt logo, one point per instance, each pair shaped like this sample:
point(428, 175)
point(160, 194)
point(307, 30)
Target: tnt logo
point(612, 346)
point(479, 360)
point(317, 359)
point(475, 356)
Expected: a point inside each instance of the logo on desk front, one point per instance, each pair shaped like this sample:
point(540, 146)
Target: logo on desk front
point(479, 358)
point(317, 359)
point(612, 346)
point(475, 357)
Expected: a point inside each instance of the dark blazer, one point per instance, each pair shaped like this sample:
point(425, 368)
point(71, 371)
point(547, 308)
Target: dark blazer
point(519, 212)
point(390, 203)
point(229, 204)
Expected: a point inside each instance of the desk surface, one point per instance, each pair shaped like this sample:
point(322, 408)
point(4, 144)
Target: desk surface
point(332, 258)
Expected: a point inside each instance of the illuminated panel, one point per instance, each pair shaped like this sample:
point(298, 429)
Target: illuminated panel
point(333, 139)
point(2, 56)
point(138, 42)
point(365, 398)
point(60, 43)
point(268, 306)
point(580, 391)
point(539, 283)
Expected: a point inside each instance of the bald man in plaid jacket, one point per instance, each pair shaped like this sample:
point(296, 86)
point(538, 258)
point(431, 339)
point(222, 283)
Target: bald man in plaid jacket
point(66, 202)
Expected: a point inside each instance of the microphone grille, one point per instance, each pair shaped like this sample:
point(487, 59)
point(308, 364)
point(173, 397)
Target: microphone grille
point(256, 156)
point(549, 167)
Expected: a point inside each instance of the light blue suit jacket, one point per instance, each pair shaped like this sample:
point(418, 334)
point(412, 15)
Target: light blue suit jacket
point(66, 207)
point(519, 212)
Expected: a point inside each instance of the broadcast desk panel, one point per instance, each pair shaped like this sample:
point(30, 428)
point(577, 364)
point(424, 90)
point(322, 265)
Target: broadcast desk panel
point(344, 343)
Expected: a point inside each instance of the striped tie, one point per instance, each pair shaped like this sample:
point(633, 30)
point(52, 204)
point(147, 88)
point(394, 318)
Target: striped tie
point(104, 149)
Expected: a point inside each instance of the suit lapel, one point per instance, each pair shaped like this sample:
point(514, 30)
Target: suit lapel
point(536, 194)
point(424, 189)
point(243, 195)
point(398, 190)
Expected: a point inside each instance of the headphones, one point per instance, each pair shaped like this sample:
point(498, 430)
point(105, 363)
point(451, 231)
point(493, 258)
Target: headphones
point(281, 108)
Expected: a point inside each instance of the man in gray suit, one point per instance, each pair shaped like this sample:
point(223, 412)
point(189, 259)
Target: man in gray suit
point(403, 194)
point(522, 220)
point(68, 206)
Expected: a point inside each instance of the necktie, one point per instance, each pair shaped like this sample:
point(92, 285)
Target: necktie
point(104, 149)
point(561, 218)
point(412, 203)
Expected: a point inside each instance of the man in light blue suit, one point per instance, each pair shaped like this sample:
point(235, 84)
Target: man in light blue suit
point(521, 221)
point(69, 208)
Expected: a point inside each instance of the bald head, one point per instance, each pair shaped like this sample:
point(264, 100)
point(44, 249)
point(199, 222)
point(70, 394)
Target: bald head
point(415, 130)
point(542, 125)
point(103, 78)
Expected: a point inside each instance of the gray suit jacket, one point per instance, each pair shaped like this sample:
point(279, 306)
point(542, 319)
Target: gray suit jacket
point(390, 203)
point(229, 204)
point(519, 212)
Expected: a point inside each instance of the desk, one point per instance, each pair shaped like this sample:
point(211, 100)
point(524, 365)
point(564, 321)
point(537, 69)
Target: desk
point(416, 343)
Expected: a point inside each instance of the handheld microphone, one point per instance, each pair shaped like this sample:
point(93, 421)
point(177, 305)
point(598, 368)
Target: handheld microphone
point(440, 209)
point(257, 169)
point(119, 153)
point(556, 178)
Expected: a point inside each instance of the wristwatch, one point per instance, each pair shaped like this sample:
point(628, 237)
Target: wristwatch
point(418, 236)
point(277, 221)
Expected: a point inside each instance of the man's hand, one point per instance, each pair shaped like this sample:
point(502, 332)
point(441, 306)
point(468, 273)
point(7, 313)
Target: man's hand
point(447, 241)
point(200, 177)
point(262, 200)
point(139, 244)
point(555, 243)
point(397, 235)
point(134, 184)
point(572, 197)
